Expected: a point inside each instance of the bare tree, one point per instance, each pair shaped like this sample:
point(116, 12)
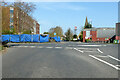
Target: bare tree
point(24, 6)
point(58, 30)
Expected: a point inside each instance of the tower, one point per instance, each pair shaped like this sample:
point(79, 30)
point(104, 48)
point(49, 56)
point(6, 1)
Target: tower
point(86, 21)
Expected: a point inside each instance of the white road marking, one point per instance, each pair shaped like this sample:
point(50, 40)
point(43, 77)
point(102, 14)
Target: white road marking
point(105, 62)
point(88, 45)
point(25, 46)
point(114, 58)
point(39, 47)
point(78, 50)
point(49, 47)
point(102, 56)
point(99, 50)
point(58, 47)
point(87, 48)
point(118, 65)
point(32, 46)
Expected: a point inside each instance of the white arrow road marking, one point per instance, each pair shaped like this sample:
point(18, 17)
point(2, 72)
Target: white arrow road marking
point(115, 67)
point(78, 50)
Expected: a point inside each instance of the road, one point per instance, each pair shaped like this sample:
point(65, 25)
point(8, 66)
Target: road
point(61, 60)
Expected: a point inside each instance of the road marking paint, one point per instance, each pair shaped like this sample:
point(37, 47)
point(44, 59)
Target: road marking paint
point(113, 66)
point(87, 48)
point(39, 47)
point(58, 47)
point(88, 45)
point(118, 65)
point(114, 58)
point(49, 47)
point(78, 50)
point(102, 56)
point(99, 50)
point(32, 46)
point(25, 46)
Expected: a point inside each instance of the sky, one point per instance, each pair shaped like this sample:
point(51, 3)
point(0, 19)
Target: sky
point(71, 14)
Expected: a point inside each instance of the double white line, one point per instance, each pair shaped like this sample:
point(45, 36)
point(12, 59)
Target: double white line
point(105, 62)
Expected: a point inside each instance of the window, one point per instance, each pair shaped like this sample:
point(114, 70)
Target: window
point(11, 11)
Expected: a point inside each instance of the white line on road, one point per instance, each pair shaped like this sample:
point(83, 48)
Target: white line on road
point(86, 48)
point(99, 50)
point(105, 62)
point(114, 58)
point(40, 47)
point(88, 45)
point(102, 56)
point(78, 50)
point(58, 47)
point(118, 65)
point(49, 47)
point(32, 46)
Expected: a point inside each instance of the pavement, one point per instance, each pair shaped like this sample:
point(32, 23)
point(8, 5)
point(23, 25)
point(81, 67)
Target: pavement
point(61, 60)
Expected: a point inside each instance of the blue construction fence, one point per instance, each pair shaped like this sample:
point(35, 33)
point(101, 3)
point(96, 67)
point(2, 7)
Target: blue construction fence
point(27, 38)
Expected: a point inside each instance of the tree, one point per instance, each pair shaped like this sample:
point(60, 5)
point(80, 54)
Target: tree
point(58, 30)
point(24, 6)
point(69, 34)
point(46, 33)
point(74, 36)
point(88, 26)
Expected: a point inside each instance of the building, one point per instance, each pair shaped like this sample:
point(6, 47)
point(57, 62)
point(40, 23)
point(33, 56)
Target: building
point(17, 21)
point(98, 34)
point(36, 28)
point(117, 31)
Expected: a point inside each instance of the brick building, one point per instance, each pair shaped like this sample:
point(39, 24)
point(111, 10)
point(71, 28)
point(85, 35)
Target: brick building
point(17, 21)
point(98, 34)
point(36, 28)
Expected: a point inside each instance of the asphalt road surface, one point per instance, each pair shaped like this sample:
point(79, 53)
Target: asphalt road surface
point(61, 60)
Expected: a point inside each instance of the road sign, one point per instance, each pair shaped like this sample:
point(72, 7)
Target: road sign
point(75, 27)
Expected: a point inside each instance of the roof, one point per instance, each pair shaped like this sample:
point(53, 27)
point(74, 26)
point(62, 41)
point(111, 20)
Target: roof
point(105, 32)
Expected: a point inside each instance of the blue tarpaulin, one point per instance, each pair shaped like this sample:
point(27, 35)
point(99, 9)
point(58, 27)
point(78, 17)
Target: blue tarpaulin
point(14, 38)
point(28, 38)
point(25, 38)
point(57, 39)
point(35, 38)
point(5, 38)
point(44, 38)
